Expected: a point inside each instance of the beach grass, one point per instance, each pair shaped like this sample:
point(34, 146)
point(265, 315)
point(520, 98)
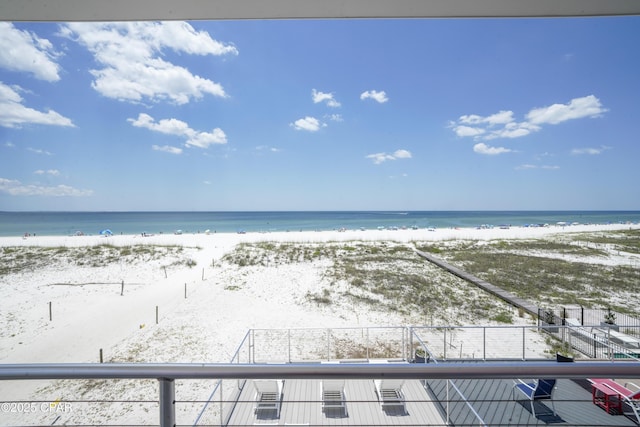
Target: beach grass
point(386, 276)
point(571, 269)
point(30, 258)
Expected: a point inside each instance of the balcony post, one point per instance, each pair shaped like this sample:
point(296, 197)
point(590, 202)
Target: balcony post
point(167, 402)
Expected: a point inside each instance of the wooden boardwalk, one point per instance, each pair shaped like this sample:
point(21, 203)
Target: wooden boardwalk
point(482, 284)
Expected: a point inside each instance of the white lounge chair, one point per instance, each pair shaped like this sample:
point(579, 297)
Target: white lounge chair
point(268, 396)
point(390, 394)
point(333, 395)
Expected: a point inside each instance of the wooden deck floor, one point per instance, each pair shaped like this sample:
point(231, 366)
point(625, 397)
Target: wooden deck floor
point(302, 405)
point(492, 401)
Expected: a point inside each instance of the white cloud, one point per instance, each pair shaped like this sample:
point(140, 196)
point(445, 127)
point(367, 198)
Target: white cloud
point(133, 69)
point(52, 172)
point(13, 113)
point(380, 97)
point(24, 51)
point(335, 117)
point(529, 167)
point(513, 130)
point(310, 124)
point(167, 149)
point(463, 131)
point(205, 139)
point(590, 151)
point(16, 188)
point(503, 124)
point(482, 148)
point(501, 117)
point(167, 126)
point(39, 151)
point(577, 108)
point(179, 128)
point(402, 154)
point(328, 98)
point(379, 158)
point(263, 148)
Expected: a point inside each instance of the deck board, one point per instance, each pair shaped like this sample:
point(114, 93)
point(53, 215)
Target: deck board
point(494, 402)
point(302, 405)
point(491, 399)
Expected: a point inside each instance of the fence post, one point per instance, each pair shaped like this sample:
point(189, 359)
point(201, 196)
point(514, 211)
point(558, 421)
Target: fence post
point(167, 402)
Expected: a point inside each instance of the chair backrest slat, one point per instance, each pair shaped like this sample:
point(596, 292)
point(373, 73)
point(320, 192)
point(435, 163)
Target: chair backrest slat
point(544, 387)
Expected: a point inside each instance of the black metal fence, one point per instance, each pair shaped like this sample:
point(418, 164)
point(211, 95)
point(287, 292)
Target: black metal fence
point(596, 333)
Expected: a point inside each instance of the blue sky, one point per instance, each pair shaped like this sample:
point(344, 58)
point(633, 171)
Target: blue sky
point(459, 114)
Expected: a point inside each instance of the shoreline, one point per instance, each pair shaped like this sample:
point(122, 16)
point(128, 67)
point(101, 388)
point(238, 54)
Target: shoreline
point(399, 235)
point(132, 223)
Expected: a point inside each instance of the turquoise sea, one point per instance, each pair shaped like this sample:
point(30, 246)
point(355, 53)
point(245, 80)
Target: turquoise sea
point(91, 223)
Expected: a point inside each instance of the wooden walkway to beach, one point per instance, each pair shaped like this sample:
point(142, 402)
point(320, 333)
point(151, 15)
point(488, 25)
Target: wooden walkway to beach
point(482, 284)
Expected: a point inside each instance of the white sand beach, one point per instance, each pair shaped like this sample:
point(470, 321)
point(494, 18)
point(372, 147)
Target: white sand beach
point(61, 312)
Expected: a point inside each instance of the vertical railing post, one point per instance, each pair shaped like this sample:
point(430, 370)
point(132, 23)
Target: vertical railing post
point(445, 343)
point(484, 343)
point(252, 347)
point(404, 343)
point(367, 344)
point(524, 344)
point(167, 402)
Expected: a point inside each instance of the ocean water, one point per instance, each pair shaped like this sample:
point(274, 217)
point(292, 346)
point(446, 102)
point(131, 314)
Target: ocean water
point(91, 223)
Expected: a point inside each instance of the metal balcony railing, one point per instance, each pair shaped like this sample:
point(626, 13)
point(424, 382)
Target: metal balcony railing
point(167, 374)
point(457, 355)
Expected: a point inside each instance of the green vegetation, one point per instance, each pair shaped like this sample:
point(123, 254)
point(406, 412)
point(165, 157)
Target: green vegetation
point(347, 349)
point(31, 258)
point(559, 270)
point(623, 241)
point(387, 276)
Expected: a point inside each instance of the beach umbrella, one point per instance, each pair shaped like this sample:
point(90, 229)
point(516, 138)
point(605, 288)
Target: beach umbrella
point(105, 232)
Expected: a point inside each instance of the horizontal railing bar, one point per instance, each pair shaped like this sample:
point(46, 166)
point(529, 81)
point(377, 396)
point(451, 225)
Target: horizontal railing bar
point(467, 370)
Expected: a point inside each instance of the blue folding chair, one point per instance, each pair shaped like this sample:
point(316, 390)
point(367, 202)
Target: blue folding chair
point(538, 390)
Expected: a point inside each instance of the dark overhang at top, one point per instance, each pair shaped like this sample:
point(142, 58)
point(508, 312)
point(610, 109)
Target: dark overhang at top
point(145, 10)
